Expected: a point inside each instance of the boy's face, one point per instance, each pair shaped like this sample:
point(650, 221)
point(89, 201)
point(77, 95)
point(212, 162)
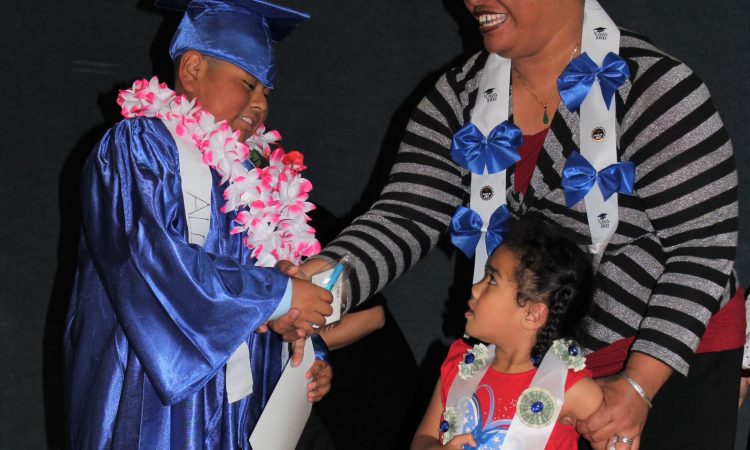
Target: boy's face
point(494, 314)
point(231, 94)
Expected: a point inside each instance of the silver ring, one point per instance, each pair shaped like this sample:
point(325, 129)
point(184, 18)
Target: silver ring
point(623, 440)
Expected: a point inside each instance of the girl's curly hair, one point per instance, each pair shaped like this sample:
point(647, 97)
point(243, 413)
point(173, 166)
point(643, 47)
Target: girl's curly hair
point(554, 270)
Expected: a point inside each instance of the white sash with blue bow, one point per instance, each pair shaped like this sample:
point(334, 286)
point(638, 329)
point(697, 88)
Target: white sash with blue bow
point(600, 72)
point(488, 159)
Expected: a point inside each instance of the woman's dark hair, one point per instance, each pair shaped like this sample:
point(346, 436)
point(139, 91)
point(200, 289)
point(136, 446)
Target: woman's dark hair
point(554, 270)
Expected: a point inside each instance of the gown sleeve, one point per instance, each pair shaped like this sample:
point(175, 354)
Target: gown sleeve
point(183, 310)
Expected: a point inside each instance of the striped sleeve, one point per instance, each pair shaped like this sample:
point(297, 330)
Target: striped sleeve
point(414, 209)
point(687, 183)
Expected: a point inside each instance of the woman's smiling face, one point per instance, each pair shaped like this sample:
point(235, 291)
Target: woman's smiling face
point(520, 28)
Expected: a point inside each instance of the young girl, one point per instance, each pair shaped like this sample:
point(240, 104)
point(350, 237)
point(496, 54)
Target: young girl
point(531, 389)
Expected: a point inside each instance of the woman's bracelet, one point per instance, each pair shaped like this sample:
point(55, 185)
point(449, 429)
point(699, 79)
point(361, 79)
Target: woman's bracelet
point(637, 387)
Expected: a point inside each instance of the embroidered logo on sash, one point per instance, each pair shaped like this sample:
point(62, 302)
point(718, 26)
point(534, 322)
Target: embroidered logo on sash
point(600, 33)
point(490, 95)
point(603, 220)
point(486, 193)
point(598, 133)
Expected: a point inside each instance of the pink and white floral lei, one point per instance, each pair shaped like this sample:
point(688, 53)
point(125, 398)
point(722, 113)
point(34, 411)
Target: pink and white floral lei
point(271, 202)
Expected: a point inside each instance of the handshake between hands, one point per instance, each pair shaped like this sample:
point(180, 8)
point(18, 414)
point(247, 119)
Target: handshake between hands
point(310, 306)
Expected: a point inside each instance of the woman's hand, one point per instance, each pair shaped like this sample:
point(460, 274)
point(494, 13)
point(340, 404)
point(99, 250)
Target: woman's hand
point(320, 375)
point(623, 412)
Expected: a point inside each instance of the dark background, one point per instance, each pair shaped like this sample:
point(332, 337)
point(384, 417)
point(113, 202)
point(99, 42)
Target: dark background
point(346, 84)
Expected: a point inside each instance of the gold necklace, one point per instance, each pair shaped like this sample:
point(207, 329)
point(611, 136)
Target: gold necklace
point(545, 117)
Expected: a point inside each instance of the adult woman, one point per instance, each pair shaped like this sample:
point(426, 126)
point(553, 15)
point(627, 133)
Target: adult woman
point(667, 264)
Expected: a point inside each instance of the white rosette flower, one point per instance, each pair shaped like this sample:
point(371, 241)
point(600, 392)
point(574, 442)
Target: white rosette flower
point(570, 354)
point(449, 424)
point(474, 360)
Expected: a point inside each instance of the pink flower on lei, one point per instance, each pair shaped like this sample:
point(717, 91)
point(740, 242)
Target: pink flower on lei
point(271, 202)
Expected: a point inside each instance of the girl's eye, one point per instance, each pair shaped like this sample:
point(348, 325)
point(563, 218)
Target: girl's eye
point(491, 280)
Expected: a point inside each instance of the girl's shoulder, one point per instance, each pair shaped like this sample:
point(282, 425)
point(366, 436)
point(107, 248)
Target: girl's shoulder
point(456, 352)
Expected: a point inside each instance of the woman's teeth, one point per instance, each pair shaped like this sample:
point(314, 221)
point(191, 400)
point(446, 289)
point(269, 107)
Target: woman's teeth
point(489, 20)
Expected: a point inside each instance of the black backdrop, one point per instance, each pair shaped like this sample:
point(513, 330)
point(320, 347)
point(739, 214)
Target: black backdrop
point(347, 81)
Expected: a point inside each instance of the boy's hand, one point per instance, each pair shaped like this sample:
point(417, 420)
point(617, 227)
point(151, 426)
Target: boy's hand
point(284, 326)
point(313, 303)
point(320, 375)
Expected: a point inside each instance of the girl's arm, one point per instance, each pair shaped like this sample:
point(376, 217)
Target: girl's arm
point(427, 436)
point(353, 327)
point(581, 400)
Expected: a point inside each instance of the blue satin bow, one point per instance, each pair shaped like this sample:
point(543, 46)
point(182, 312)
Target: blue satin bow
point(466, 229)
point(579, 176)
point(472, 151)
point(577, 79)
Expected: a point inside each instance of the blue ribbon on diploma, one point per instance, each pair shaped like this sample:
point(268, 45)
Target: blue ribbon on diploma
point(577, 79)
point(321, 349)
point(472, 151)
point(466, 229)
point(579, 176)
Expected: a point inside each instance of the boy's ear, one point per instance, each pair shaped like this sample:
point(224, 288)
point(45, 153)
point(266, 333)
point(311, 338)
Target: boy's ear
point(536, 315)
point(189, 71)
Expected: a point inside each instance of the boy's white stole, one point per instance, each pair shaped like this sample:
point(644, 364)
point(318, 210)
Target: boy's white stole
point(196, 180)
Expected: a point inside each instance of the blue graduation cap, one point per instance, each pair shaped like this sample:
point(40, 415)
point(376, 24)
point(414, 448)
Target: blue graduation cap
point(241, 32)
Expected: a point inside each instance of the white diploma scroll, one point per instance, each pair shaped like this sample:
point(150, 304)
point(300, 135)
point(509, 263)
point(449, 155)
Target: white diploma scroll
point(283, 419)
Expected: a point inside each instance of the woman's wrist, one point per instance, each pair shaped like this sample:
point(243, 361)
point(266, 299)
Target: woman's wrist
point(647, 372)
point(638, 389)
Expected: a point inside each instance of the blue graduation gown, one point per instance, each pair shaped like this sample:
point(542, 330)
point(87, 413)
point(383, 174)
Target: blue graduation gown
point(153, 319)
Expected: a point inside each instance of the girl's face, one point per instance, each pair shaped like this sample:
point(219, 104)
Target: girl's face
point(494, 315)
point(231, 94)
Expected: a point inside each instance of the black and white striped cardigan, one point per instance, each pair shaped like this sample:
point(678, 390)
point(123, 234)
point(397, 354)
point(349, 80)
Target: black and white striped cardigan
point(668, 267)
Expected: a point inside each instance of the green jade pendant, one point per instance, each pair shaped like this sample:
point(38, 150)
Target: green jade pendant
point(545, 118)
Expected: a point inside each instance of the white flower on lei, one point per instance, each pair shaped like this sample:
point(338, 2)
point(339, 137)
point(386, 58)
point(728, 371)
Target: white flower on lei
point(147, 98)
point(262, 140)
point(271, 202)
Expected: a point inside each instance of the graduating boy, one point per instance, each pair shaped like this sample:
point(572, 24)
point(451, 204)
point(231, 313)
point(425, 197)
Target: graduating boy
point(164, 293)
